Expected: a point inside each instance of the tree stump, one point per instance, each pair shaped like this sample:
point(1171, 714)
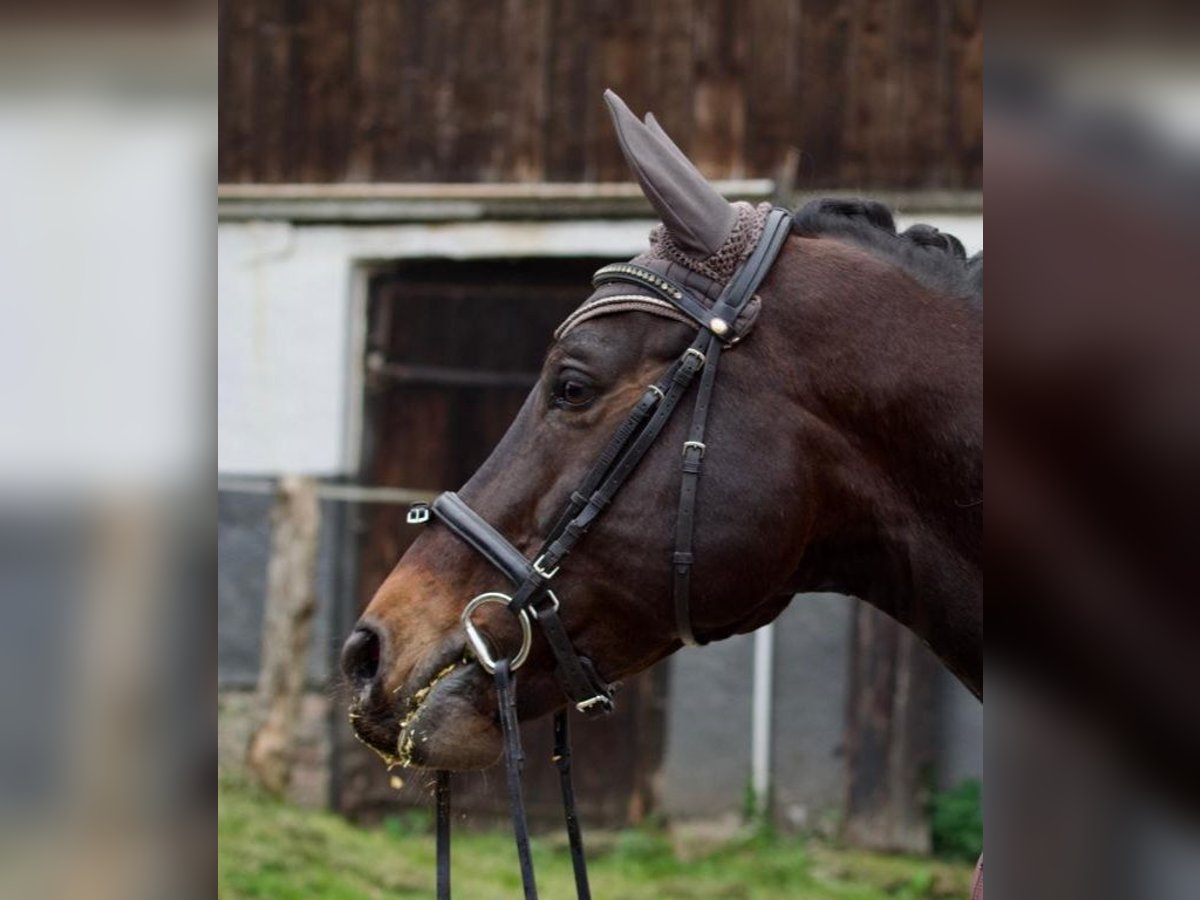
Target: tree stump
point(287, 632)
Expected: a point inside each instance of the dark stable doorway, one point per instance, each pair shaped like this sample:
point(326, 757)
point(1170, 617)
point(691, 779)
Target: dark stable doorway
point(452, 349)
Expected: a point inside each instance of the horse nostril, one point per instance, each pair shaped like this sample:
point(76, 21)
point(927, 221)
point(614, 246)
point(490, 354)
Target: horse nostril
point(361, 655)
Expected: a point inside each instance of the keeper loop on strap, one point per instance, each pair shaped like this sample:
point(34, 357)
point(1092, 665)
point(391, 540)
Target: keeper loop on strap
point(553, 607)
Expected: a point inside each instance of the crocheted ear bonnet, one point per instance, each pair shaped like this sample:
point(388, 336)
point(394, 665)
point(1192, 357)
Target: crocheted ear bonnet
point(721, 265)
point(704, 275)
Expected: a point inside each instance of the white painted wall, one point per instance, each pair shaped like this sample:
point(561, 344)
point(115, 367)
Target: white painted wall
point(291, 303)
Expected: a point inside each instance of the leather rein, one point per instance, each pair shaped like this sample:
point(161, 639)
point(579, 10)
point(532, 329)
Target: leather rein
point(532, 600)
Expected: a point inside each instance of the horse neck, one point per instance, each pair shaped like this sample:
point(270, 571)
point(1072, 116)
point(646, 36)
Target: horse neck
point(890, 378)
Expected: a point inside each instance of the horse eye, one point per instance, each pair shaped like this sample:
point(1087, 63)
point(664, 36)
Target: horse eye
point(573, 393)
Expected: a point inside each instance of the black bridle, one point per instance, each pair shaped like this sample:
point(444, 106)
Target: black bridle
point(532, 600)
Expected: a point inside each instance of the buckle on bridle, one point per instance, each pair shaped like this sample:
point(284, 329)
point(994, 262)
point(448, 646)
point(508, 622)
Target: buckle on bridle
point(692, 351)
point(537, 567)
point(584, 705)
point(418, 514)
point(694, 445)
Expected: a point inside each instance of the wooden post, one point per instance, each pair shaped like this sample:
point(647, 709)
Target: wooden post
point(647, 693)
point(889, 736)
point(287, 632)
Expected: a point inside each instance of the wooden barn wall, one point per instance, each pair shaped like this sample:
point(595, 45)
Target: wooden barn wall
point(873, 93)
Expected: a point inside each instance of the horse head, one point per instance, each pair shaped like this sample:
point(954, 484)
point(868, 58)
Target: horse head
point(837, 376)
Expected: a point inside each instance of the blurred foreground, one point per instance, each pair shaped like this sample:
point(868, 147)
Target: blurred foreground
point(107, 160)
point(1092, 457)
point(270, 849)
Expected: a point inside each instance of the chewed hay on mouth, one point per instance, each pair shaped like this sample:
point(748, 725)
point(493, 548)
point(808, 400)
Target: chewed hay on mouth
point(406, 738)
point(402, 757)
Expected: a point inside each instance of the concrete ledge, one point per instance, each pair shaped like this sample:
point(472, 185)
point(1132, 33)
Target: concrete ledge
point(910, 203)
point(379, 203)
point(449, 202)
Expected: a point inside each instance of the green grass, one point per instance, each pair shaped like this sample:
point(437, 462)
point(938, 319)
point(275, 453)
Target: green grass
point(270, 849)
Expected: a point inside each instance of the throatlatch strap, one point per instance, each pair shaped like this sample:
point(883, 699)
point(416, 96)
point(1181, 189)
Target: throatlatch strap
point(514, 759)
point(728, 307)
point(562, 759)
point(443, 835)
point(685, 521)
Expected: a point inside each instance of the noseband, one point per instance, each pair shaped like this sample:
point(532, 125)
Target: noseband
point(531, 600)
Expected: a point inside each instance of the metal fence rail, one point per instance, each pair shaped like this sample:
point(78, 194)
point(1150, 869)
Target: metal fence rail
point(346, 493)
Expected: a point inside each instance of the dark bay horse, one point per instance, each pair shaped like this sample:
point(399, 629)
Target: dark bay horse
point(844, 453)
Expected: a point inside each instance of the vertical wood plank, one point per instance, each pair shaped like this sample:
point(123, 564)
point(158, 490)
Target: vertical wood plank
point(888, 148)
point(889, 736)
point(719, 101)
point(444, 63)
point(671, 47)
point(625, 59)
point(417, 46)
point(236, 151)
point(524, 88)
point(821, 98)
point(378, 121)
point(865, 91)
point(922, 58)
point(271, 125)
point(568, 60)
point(323, 101)
point(478, 90)
point(770, 67)
point(966, 107)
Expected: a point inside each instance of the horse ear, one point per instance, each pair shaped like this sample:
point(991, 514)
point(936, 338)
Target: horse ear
point(698, 217)
point(653, 124)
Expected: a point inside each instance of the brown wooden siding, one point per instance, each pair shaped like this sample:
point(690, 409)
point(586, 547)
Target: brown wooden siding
point(873, 93)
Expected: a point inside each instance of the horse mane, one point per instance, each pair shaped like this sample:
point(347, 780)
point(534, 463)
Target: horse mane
point(935, 259)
